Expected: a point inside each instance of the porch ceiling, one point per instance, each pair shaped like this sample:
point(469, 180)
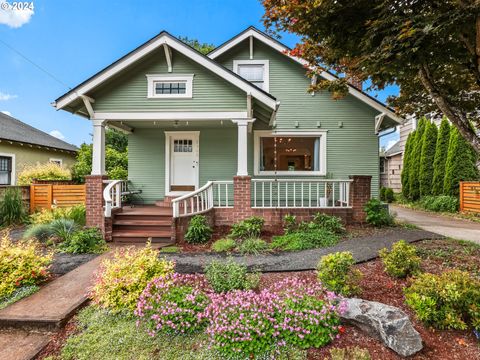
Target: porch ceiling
point(180, 124)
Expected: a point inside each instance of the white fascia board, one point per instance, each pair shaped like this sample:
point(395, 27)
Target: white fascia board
point(280, 48)
point(171, 115)
point(180, 47)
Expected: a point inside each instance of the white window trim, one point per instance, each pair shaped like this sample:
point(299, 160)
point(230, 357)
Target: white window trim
point(322, 134)
point(266, 70)
point(13, 176)
point(55, 160)
point(152, 78)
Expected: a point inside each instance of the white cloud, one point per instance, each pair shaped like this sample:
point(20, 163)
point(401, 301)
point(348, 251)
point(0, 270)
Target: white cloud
point(6, 96)
point(390, 144)
point(14, 18)
point(7, 112)
point(57, 134)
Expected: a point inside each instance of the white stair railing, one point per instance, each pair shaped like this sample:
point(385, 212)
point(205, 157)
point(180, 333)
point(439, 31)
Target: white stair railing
point(300, 193)
point(112, 195)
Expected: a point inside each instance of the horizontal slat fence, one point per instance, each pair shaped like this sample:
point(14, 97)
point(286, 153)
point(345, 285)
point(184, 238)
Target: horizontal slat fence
point(44, 196)
point(470, 196)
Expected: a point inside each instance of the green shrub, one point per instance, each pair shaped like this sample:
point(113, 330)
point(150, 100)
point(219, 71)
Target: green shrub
point(377, 214)
point(336, 273)
point(84, 241)
point(303, 240)
point(382, 193)
point(12, 208)
point(76, 213)
point(252, 246)
point(228, 276)
point(401, 261)
point(248, 228)
point(350, 353)
point(122, 278)
point(441, 152)
point(21, 264)
point(389, 195)
point(329, 222)
point(224, 245)
point(407, 161)
point(198, 232)
point(46, 171)
point(170, 249)
point(441, 203)
point(17, 295)
point(429, 142)
point(40, 232)
point(63, 229)
point(414, 169)
point(450, 300)
point(290, 224)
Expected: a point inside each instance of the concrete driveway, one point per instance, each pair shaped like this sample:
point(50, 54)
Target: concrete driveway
point(443, 225)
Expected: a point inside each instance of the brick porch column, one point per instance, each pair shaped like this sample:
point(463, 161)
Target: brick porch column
point(242, 207)
point(94, 205)
point(360, 193)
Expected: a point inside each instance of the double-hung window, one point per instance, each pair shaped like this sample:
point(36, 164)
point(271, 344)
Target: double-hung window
point(170, 86)
point(6, 169)
point(290, 153)
point(255, 71)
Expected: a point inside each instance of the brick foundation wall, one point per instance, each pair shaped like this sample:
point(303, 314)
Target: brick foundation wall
point(94, 205)
point(360, 193)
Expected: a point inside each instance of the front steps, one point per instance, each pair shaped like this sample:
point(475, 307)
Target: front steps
point(139, 224)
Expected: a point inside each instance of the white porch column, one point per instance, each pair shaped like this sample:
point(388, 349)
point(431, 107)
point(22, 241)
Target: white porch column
point(242, 152)
point(98, 154)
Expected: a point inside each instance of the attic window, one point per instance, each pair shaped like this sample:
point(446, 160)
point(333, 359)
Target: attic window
point(170, 86)
point(255, 71)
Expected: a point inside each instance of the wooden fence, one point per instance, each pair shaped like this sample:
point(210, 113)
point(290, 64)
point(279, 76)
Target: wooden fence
point(44, 196)
point(470, 196)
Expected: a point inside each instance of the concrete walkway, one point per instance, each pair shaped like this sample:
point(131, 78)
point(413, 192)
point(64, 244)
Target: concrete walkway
point(363, 249)
point(444, 225)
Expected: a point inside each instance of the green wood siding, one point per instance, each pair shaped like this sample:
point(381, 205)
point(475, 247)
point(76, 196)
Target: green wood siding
point(352, 149)
point(128, 92)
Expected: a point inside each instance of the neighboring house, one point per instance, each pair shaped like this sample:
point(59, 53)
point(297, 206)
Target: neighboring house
point(22, 145)
point(235, 130)
point(391, 167)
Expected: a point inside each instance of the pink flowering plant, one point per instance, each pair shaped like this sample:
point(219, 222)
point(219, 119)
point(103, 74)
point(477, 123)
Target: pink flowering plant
point(173, 304)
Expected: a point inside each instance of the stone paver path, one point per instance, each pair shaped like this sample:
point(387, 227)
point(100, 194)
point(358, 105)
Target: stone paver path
point(363, 249)
point(446, 226)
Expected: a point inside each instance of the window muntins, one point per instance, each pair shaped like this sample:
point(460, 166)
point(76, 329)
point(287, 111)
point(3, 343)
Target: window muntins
point(382, 165)
point(290, 153)
point(169, 86)
point(255, 71)
point(7, 169)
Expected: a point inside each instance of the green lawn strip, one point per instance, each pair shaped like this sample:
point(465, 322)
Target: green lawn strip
point(17, 295)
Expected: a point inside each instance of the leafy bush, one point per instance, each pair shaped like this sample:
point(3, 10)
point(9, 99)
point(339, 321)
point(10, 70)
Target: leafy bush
point(303, 240)
point(173, 304)
point(330, 223)
point(387, 194)
point(76, 213)
point(40, 232)
point(84, 241)
point(122, 278)
point(198, 232)
point(248, 228)
point(228, 276)
point(46, 171)
point(336, 273)
point(450, 300)
point(63, 229)
point(224, 245)
point(350, 353)
point(291, 313)
point(252, 246)
point(12, 208)
point(401, 261)
point(441, 203)
point(377, 214)
point(290, 224)
point(21, 264)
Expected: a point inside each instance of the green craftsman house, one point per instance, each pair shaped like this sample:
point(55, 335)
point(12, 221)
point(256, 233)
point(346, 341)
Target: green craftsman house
point(230, 134)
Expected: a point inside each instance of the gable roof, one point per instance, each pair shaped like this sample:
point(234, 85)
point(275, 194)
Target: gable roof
point(393, 150)
point(277, 45)
point(14, 130)
point(151, 45)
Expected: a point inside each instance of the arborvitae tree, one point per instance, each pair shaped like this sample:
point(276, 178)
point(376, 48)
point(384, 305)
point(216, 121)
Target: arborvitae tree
point(407, 155)
point(441, 152)
point(414, 172)
point(461, 163)
point(429, 141)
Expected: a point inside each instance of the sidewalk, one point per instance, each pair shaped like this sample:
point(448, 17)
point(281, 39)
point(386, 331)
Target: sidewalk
point(444, 225)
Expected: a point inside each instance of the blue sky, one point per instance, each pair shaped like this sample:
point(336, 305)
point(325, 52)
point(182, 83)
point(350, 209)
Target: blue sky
point(73, 40)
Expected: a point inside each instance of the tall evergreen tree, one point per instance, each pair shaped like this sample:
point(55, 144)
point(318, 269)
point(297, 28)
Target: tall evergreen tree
point(414, 172)
point(429, 142)
point(441, 152)
point(407, 155)
point(461, 163)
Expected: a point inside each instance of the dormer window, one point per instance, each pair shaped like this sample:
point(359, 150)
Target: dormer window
point(170, 86)
point(255, 71)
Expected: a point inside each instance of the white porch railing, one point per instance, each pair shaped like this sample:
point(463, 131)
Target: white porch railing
point(300, 193)
point(212, 194)
point(112, 195)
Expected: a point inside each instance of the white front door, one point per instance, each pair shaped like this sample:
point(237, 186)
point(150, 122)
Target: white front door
point(183, 148)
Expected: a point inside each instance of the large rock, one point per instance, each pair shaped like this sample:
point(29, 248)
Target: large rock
point(386, 323)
